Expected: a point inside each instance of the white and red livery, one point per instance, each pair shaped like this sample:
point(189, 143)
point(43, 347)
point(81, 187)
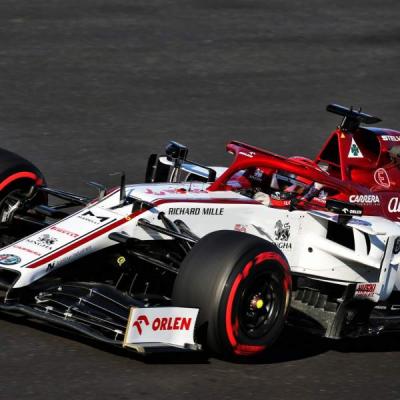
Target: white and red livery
point(212, 256)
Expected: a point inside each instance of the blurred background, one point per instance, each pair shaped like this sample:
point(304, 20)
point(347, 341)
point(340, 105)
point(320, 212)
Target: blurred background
point(89, 87)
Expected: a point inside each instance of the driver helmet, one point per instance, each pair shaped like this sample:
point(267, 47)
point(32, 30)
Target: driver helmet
point(287, 182)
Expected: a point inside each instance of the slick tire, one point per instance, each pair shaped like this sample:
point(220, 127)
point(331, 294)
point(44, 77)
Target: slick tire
point(17, 176)
point(242, 287)
point(14, 168)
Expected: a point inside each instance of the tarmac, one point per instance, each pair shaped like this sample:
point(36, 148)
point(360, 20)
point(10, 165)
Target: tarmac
point(91, 87)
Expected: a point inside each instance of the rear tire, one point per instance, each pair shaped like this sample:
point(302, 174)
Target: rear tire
point(242, 286)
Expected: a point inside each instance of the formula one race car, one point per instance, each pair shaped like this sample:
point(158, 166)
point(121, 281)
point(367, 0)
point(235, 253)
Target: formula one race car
point(217, 258)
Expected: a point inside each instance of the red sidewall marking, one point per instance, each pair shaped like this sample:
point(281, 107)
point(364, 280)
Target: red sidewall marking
point(287, 281)
point(246, 350)
point(272, 256)
point(232, 328)
point(247, 268)
point(18, 175)
point(228, 315)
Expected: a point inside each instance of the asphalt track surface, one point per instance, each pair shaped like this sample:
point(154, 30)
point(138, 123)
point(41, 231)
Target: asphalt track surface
point(91, 87)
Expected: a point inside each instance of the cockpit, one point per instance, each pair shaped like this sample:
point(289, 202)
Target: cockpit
point(273, 187)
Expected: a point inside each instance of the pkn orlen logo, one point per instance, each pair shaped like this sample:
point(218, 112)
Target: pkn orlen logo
point(139, 321)
point(162, 323)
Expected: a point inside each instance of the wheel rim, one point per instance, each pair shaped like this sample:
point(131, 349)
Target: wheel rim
point(259, 305)
point(8, 206)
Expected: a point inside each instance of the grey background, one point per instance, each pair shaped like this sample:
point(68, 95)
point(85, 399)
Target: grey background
point(91, 87)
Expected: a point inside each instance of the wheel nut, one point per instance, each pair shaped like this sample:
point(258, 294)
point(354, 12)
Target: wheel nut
point(259, 303)
point(256, 303)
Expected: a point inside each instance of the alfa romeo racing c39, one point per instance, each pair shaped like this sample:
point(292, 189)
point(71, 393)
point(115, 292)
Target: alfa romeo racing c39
point(212, 257)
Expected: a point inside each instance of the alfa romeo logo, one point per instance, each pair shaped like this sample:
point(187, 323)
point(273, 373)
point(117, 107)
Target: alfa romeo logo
point(381, 178)
point(355, 150)
point(9, 259)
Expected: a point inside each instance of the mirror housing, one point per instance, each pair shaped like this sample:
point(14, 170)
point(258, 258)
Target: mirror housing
point(176, 151)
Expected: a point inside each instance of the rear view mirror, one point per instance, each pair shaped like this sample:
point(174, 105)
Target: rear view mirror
point(176, 151)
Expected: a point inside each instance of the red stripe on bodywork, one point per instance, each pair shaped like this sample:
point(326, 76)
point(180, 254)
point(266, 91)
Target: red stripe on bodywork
point(18, 175)
point(115, 224)
point(86, 239)
point(216, 201)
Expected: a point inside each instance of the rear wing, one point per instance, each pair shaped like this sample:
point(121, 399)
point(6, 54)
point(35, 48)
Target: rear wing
point(351, 118)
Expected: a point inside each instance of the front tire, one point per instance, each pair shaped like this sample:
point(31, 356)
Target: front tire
point(242, 286)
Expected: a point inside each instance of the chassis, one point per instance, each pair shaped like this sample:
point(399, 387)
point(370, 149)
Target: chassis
point(192, 258)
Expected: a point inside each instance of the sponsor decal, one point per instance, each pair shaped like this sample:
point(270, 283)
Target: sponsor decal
point(279, 203)
point(172, 325)
point(45, 240)
point(64, 231)
point(161, 192)
point(121, 260)
point(390, 138)
point(240, 228)
point(354, 151)
point(141, 319)
point(195, 211)
point(394, 205)
point(50, 267)
point(165, 192)
point(249, 154)
point(89, 216)
point(351, 211)
point(73, 257)
point(381, 178)
point(282, 231)
point(257, 175)
point(282, 235)
point(9, 259)
point(360, 222)
point(68, 259)
point(368, 291)
point(162, 324)
point(19, 247)
point(370, 199)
